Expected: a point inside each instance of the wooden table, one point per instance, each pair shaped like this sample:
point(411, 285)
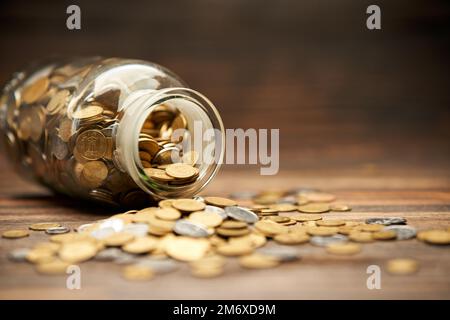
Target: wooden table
point(421, 197)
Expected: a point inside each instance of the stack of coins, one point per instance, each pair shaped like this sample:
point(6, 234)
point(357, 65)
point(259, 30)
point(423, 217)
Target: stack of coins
point(72, 148)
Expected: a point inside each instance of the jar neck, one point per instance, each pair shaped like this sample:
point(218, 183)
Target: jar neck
point(201, 117)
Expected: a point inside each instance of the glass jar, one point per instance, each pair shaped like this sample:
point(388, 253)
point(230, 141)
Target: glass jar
point(109, 130)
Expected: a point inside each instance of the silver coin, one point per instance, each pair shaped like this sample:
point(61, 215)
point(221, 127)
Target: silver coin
point(159, 265)
point(136, 229)
point(116, 224)
point(57, 230)
point(283, 253)
point(102, 233)
point(241, 214)
point(84, 227)
point(190, 229)
point(218, 210)
point(18, 255)
point(403, 232)
point(387, 221)
point(321, 241)
point(109, 254)
point(288, 199)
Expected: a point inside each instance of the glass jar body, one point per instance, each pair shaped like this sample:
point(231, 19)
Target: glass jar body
point(60, 125)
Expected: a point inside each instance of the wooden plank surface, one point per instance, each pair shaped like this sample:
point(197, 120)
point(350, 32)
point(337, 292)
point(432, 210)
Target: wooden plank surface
point(423, 199)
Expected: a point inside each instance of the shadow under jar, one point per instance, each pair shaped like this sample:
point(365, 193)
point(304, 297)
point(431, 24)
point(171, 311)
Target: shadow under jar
point(109, 130)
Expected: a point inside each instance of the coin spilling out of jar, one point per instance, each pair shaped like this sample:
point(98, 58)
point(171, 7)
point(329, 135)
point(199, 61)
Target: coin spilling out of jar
point(107, 130)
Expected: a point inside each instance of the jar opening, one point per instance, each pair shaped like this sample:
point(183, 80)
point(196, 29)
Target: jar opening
point(163, 127)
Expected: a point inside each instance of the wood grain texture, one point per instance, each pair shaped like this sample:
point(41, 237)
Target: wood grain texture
point(361, 114)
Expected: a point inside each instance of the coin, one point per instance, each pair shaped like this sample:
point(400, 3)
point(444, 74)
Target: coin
point(220, 202)
point(187, 249)
point(35, 90)
point(386, 221)
point(188, 205)
point(343, 248)
point(330, 223)
point(18, 255)
point(324, 241)
point(168, 214)
point(137, 273)
point(291, 238)
point(270, 228)
point(91, 144)
point(232, 232)
point(57, 102)
point(181, 171)
point(286, 207)
point(74, 252)
point(57, 230)
point(358, 236)
point(369, 227)
point(208, 219)
point(337, 207)
point(88, 112)
point(232, 249)
point(438, 237)
point(167, 203)
point(258, 261)
point(314, 208)
point(141, 245)
point(191, 229)
point(109, 254)
point(94, 173)
point(280, 252)
point(322, 231)
point(402, 266)
point(384, 235)
point(233, 224)
point(220, 211)
point(206, 272)
point(117, 239)
point(44, 226)
point(14, 234)
point(241, 214)
point(403, 232)
point(306, 217)
point(53, 267)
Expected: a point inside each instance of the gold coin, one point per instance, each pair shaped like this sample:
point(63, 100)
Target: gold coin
point(440, 237)
point(190, 157)
point(181, 171)
point(314, 208)
point(57, 102)
point(267, 212)
point(402, 266)
point(306, 217)
point(384, 235)
point(149, 145)
point(270, 228)
point(137, 273)
point(53, 267)
point(233, 224)
point(141, 245)
point(91, 144)
point(158, 174)
point(167, 203)
point(165, 225)
point(117, 239)
point(14, 234)
point(88, 112)
point(206, 272)
point(284, 207)
point(319, 196)
point(44, 226)
point(35, 90)
point(322, 231)
point(255, 240)
point(337, 207)
point(358, 236)
point(278, 219)
point(209, 219)
point(187, 249)
point(38, 255)
point(369, 227)
point(232, 249)
point(168, 214)
point(49, 246)
point(232, 232)
point(94, 172)
point(291, 238)
point(188, 205)
point(71, 237)
point(209, 261)
point(74, 252)
point(330, 223)
point(258, 261)
point(343, 248)
point(220, 202)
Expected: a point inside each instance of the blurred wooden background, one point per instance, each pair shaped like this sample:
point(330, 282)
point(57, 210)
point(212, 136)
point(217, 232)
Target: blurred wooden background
point(341, 95)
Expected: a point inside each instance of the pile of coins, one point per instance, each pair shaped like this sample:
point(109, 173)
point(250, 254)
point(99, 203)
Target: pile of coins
point(72, 149)
point(204, 232)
